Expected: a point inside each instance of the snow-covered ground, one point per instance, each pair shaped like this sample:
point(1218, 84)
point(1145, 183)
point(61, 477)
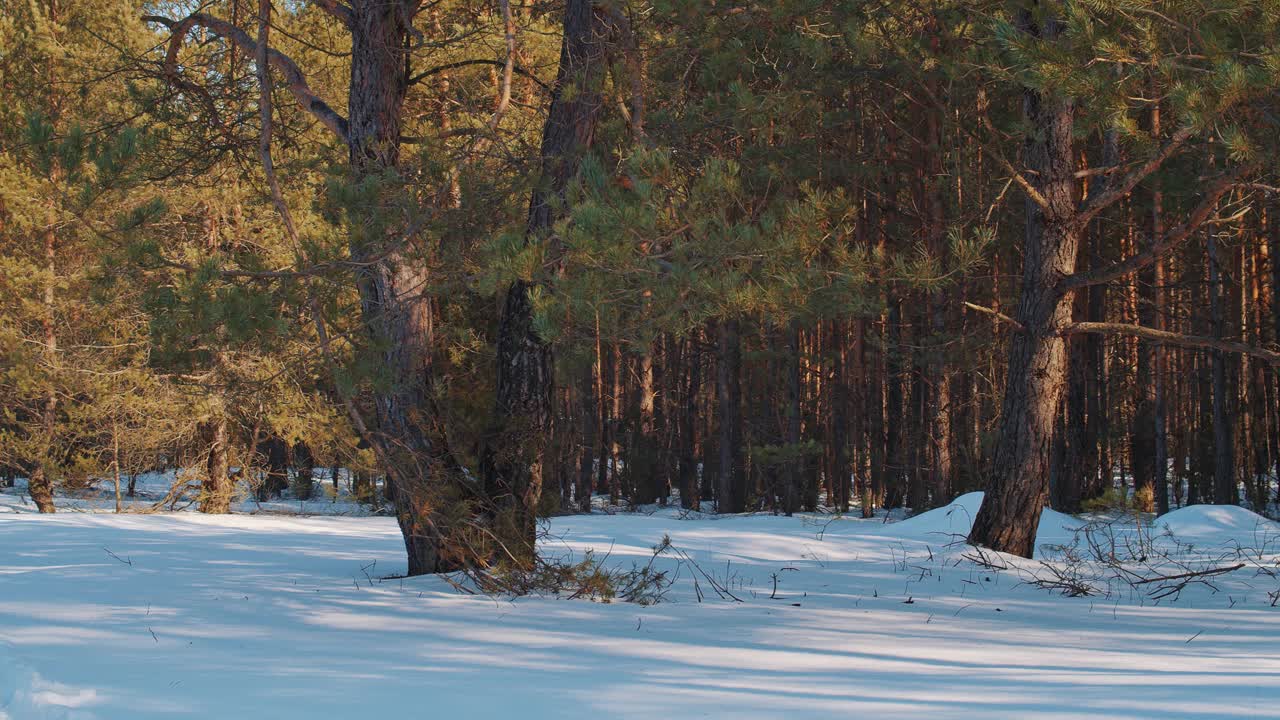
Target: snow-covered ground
point(274, 616)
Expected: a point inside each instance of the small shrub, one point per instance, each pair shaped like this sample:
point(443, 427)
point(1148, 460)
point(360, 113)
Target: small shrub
point(588, 579)
point(1113, 499)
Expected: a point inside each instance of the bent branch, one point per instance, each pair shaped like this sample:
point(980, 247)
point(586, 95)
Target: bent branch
point(293, 76)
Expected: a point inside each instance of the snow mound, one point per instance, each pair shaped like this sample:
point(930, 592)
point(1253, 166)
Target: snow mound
point(954, 519)
point(1224, 520)
point(16, 686)
point(957, 519)
point(24, 695)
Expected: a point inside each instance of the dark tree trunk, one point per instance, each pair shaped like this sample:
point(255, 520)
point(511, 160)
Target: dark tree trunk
point(40, 482)
point(791, 491)
point(1018, 489)
point(1147, 446)
point(1160, 410)
point(1273, 257)
point(731, 489)
point(511, 465)
point(841, 411)
point(304, 471)
point(1224, 482)
point(591, 449)
point(1142, 433)
point(643, 461)
point(1069, 478)
point(690, 492)
point(1095, 471)
point(875, 433)
point(896, 411)
point(937, 408)
point(277, 479)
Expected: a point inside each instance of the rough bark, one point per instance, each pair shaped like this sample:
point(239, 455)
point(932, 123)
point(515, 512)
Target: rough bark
point(393, 284)
point(1018, 487)
point(389, 274)
point(40, 488)
point(515, 445)
point(215, 495)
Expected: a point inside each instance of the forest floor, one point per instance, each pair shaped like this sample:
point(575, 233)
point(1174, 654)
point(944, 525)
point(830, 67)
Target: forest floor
point(276, 616)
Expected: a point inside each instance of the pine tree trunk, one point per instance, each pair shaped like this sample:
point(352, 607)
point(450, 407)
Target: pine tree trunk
point(590, 419)
point(1160, 405)
point(1142, 432)
point(1069, 478)
point(1010, 514)
point(305, 471)
point(604, 459)
point(215, 496)
point(839, 416)
point(512, 461)
point(937, 381)
point(732, 486)
point(277, 479)
point(1224, 485)
point(791, 491)
point(39, 483)
point(391, 278)
point(875, 433)
point(690, 492)
point(40, 488)
point(895, 490)
point(1273, 255)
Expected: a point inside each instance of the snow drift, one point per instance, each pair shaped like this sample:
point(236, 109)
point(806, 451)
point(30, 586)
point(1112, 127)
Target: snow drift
point(1216, 520)
point(24, 695)
point(956, 520)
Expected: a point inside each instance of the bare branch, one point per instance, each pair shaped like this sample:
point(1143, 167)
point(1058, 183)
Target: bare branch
point(1125, 185)
point(1168, 243)
point(1165, 337)
point(517, 69)
point(504, 95)
point(633, 59)
point(264, 106)
point(997, 315)
point(296, 81)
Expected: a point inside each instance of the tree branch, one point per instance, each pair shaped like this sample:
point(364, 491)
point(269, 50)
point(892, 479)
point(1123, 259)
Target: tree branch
point(1125, 185)
point(997, 315)
point(296, 81)
point(344, 14)
point(264, 107)
point(1170, 241)
point(1165, 337)
point(504, 95)
point(478, 61)
point(634, 61)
